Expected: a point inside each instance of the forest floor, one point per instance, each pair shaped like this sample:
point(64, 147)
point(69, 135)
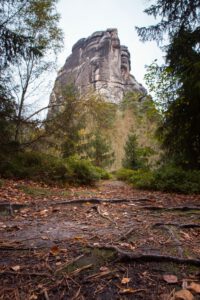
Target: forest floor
point(104, 242)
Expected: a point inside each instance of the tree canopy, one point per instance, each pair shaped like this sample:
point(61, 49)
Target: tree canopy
point(29, 41)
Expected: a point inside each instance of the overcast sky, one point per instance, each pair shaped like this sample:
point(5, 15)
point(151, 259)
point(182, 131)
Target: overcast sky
point(80, 18)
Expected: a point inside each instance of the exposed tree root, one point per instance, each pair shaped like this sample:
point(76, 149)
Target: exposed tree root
point(177, 225)
point(175, 239)
point(126, 235)
point(183, 208)
point(125, 256)
point(10, 207)
point(98, 201)
point(103, 215)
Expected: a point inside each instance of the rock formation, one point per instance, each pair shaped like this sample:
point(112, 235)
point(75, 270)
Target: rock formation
point(101, 64)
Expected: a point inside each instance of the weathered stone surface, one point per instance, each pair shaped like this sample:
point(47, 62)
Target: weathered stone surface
point(100, 63)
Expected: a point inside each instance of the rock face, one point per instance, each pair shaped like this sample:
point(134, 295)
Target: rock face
point(101, 64)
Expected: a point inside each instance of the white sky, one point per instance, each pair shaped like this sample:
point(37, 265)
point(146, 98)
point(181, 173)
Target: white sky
point(80, 18)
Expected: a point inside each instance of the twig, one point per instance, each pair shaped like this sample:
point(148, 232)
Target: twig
point(77, 294)
point(98, 275)
point(69, 263)
point(77, 271)
point(46, 295)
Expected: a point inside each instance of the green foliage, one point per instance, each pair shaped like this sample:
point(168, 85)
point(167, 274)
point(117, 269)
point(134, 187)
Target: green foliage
point(180, 130)
point(131, 160)
point(173, 179)
point(172, 15)
point(29, 41)
point(142, 179)
point(100, 112)
point(167, 178)
point(135, 157)
point(82, 171)
point(103, 174)
point(99, 151)
point(33, 165)
point(177, 83)
point(124, 174)
point(13, 44)
point(49, 169)
point(68, 122)
point(7, 117)
point(142, 106)
point(78, 126)
point(162, 84)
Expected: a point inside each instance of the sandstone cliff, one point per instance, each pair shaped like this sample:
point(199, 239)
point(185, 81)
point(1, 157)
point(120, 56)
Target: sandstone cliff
point(99, 63)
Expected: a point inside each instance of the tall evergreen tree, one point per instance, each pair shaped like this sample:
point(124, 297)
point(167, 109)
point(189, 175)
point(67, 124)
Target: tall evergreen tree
point(180, 22)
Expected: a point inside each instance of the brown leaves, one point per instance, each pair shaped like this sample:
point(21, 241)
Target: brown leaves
point(43, 213)
point(15, 268)
point(125, 280)
point(183, 295)
point(55, 250)
point(194, 287)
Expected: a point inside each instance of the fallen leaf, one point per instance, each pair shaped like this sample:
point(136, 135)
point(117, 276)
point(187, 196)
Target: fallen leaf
point(33, 297)
point(170, 278)
point(87, 204)
point(44, 237)
point(2, 225)
point(195, 287)
point(125, 280)
point(130, 291)
point(104, 269)
point(54, 250)
point(15, 268)
point(186, 235)
point(43, 212)
point(183, 295)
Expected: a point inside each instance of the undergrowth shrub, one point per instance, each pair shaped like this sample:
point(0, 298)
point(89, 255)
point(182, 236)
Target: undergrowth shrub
point(166, 179)
point(50, 169)
point(173, 179)
point(82, 171)
point(33, 165)
point(124, 174)
point(102, 173)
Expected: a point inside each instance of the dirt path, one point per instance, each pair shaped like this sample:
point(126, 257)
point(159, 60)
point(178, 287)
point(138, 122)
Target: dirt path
point(104, 242)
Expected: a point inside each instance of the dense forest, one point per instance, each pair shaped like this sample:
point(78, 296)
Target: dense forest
point(46, 157)
point(30, 41)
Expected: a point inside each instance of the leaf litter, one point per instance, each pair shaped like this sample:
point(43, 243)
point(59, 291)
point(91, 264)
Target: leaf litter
point(52, 247)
